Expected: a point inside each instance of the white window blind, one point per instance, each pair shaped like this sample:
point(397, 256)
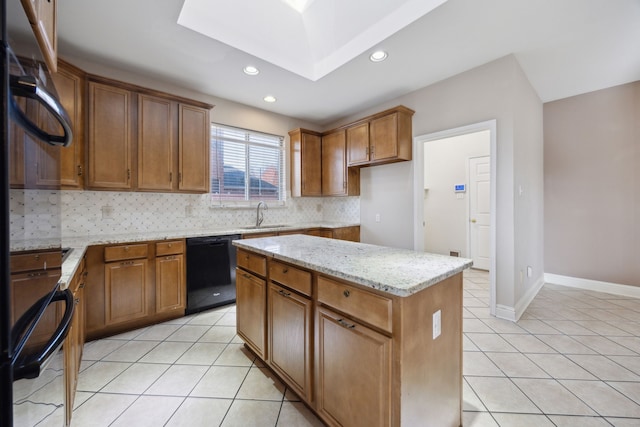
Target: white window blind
point(246, 165)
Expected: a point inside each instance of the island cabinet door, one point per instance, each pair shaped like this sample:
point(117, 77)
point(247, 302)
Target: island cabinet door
point(251, 310)
point(354, 373)
point(290, 338)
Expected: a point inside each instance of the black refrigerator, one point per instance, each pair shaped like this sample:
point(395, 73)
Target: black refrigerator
point(34, 127)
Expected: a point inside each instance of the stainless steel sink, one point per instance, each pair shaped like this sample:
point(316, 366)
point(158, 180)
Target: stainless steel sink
point(258, 227)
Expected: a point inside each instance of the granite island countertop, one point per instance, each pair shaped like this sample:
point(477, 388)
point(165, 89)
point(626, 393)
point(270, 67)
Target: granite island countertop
point(78, 245)
point(399, 272)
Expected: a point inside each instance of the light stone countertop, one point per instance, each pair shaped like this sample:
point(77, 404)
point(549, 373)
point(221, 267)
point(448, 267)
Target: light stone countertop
point(398, 272)
point(80, 244)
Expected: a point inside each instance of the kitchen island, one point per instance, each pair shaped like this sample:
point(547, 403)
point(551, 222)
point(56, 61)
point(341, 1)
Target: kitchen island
point(365, 335)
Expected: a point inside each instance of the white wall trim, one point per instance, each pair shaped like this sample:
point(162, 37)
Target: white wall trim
point(418, 186)
point(593, 285)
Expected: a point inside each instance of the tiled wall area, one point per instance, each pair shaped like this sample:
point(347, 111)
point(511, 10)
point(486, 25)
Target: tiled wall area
point(103, 212)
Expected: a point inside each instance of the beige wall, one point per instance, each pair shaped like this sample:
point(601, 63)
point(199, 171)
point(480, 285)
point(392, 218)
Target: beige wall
point(592, 185)
point(497, 90)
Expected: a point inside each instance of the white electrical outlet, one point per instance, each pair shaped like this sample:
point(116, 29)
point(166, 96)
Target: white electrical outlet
point(437, 324)
point(529, 271)
point(377, 217)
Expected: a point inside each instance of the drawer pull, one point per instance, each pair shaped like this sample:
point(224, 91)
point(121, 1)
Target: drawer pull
point(285, 270)
point(346, 293)
point(345, 324)
point(127, 263)
point(246, 276)
point(283, 293)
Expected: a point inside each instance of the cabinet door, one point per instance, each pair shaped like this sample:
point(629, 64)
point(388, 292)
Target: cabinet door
point(251, 305)
point(354, 372)
point(193, 146)
point(125, 291)
point(384, 137)
point(311, 165)
point(347, 233)
point(110, 139)
point(17, 150)
point(26, 288)
point(170, 283)
point(70, 87)
point(72, 347)
point(290, 338)
point(155, 143)
point(334, 164)
point(47, 157)
point(358, 144)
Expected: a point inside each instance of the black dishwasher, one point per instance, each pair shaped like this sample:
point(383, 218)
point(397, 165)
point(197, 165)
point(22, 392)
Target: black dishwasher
point(211, 272)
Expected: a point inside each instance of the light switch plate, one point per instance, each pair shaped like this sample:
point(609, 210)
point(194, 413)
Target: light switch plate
point(437, 324)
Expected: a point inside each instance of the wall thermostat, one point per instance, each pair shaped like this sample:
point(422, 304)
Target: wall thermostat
point(460, 188)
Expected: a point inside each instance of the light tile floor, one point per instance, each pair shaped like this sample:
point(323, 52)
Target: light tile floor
point(572, 360)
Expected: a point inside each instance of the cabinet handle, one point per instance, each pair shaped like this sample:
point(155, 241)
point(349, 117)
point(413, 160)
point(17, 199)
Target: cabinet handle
point(40, 273)
point(170, 258)
point(126, 263)
point(285, 270)
point(81, 286)
point(246, 276)
point(373, 149)
point(345, 324)
point(346, 293)
point(170, 176)
point(76, 301)
point(128, 174)
point(283, 293)
point(79, 170)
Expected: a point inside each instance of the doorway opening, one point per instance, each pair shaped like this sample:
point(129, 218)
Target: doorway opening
point(455, 195)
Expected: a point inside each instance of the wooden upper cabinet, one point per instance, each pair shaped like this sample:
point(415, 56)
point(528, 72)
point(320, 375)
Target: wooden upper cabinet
point(110, 140)
point(193, 145)
point(358, 144)
point(69, 82)
point(383, 138)
point(306, 165)
point(337, 179)
point(42, 15)
point(156, 142)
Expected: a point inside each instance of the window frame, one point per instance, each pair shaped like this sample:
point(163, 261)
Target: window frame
point(251, 139)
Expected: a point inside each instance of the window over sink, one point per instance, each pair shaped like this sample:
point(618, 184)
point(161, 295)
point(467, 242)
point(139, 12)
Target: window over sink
point(246, 166)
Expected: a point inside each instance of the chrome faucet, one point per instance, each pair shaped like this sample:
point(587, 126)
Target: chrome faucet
point(260, 215)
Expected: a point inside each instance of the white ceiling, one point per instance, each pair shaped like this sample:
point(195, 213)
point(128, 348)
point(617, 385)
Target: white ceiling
point(566, 47)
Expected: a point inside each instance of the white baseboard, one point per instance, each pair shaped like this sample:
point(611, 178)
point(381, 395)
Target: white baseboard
point(510, 313)
point(593, 285)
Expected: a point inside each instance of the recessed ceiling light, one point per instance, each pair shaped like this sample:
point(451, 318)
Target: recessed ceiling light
point(378, 55)
point(251, 70)
point(270, 98)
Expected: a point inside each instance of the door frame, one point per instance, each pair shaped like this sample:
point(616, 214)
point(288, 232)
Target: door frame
point(418, 187)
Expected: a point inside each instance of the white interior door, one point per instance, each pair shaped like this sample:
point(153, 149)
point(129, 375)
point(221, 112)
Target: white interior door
point(480, 212)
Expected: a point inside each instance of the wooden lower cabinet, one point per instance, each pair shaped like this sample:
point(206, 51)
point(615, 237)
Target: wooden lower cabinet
point(290, 334)
point(74, 342)
point(354, 373)
point(251, 308)
point(125, 291)
point(170, 286)
point(134, 285)
point(358, 357)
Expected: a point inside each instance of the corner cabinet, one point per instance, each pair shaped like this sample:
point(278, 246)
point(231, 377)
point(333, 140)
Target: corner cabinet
point(337, 178)
point(146, 140)
point(133, 285)
point(70, 84)
point(306, 163)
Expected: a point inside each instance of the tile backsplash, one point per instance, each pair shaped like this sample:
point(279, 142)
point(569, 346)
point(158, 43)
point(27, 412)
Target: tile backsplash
point(87, 213)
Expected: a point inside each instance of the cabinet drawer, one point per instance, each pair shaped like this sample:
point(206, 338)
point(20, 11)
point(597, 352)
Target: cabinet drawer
point(36, 261)
point(170, 248)
point(252, 262)
point(292, 277)
point(116, 253)
point(362, 305)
